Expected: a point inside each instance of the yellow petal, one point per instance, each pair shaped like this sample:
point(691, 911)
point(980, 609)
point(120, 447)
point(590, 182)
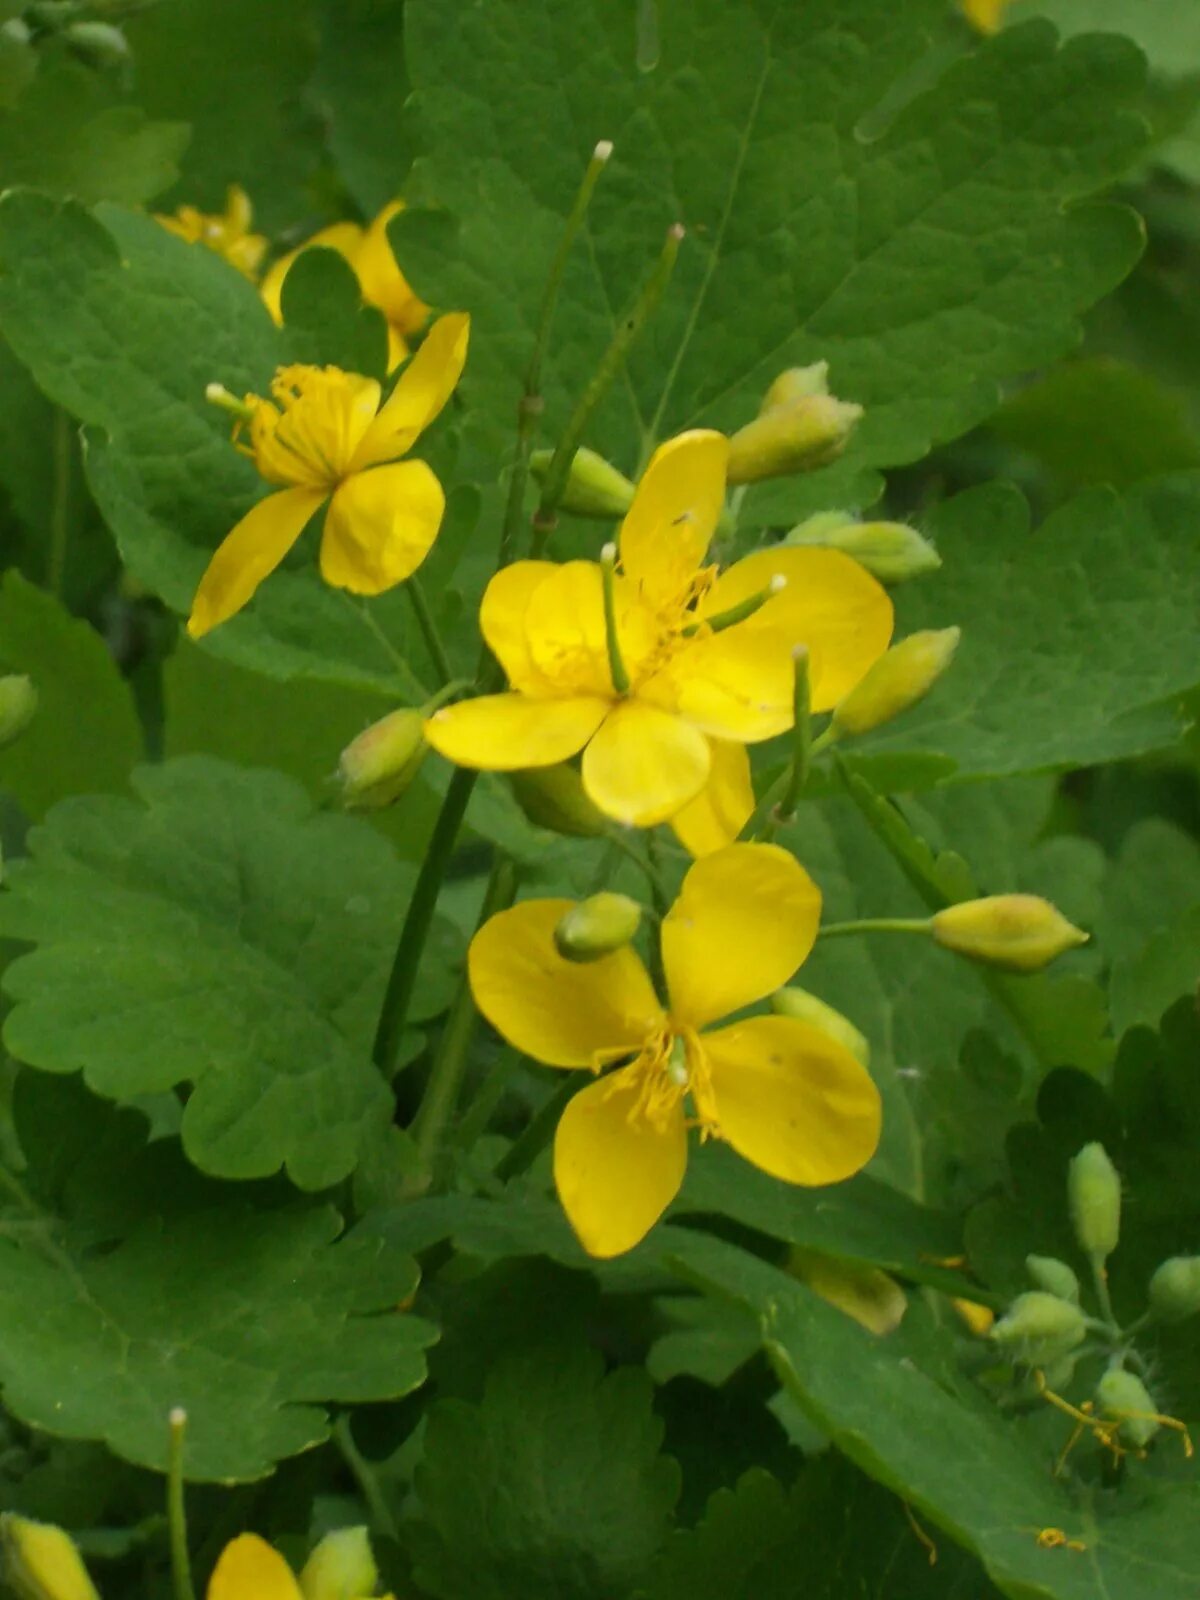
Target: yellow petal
point(830, 603)
point(505, 732)
point(344, 237)
point(723, 807)
point(739, 684)
point(383, 283)
point(617, 1171)
point(674, 514)
point(565, 632)
point(398, 350)
point(380, 526)
point(248, 1569)
point(791, 1100)
point(644, 765)
point(745, 919)
point(560, 1012)
point(253, 549)
point(502, 621)
point(422, 389)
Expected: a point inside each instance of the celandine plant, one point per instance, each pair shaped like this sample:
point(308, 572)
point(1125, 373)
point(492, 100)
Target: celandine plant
point(549, 1045)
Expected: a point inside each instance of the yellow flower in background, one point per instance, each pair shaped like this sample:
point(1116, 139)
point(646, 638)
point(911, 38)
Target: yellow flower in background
point(325, 437)
point(379, 277)
point(340, 1568)
point(227, 234)
point(708, 656)
point(784, 1094)
point(986, 15)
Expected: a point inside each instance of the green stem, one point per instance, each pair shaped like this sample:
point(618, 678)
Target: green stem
point(628, 329)
point(765, 817)
point(364, 1477)
point(181, 1562)
point(836, 930)
point(401, 981)
point(529, 407)
point(429, 630)
point(450, 1063)
point(525, 1149)
point(490, 1093)
point(1100, 1280)
point(647, 868)
point(60, 501)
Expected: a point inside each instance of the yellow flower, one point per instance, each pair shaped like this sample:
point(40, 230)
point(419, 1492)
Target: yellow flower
point(379, 277)
point(986, 15)
point(784, 1094)
point(324, 436)
point(340, 1568)
point(228, 234)
point(696, 675)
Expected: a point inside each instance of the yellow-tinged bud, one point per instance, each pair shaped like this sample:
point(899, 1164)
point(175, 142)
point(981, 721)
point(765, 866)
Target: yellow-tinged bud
point(1175, 1289)
point(341, 1567)
point(1054, 1276)
point(41, 1561)
point(890, 551)
point(796, 383)
point(799, 436)
point(597, 926)
point(18, 702)
point(868, 1294)
point(901, 677)
point(1124, 1398)
point(554, 798)
point(1020, 932)
point(375, 769)
point(1094, 1201)
point(805, 1007)
point(1039, 1328)
point(594, 486)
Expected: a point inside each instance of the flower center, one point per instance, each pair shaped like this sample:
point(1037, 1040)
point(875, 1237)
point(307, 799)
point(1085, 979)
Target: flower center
point(307, 434)
point(671, 1066)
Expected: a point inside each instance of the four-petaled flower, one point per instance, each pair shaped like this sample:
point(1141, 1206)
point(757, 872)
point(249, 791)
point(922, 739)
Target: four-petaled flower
point(383, 285)
point(786, 1096)
point(226, 233)
point(324, 436)
point(709, 657)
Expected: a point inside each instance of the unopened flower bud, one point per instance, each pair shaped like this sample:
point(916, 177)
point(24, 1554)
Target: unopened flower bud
point(341, 1567)
point(796, 383)
point(375, 769)
point(805, 1007)
point(1039, 1328)
point(1123, 1397)
point(554, 798)
point(18, 702)
point(800, 436)
point(594, 486)
point(1175, 1289)
point(41, 1561)
point(1054, 1276)
point(1019, 932)
point(597, 926)
point(1094, 1201)
point(99, 43)
point(898, 680)
point(890, 551)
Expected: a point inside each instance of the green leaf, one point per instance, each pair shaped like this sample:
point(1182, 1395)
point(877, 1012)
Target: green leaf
point(902, 1427)
point(552, 1487)
point(237, 73)
point(920, 230)
point(124, 325)
point(67, 133)
point(832, 1535)
point(130, 1286)
point(1151, 922)
point(361, 73)
point(325, 319)
point(246, 940)
point(1087, 662)
point(85, 734)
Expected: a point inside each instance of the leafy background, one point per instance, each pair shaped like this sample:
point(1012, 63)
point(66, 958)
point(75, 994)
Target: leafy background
point(204, 1194)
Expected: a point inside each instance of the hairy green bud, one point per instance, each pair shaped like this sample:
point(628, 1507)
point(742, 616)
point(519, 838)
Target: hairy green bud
point(891, 551)
point(898, 680)
point(1094, 1200)
point(1054, 1276)
point(1039, 1328)
point(375, 769)
point(594, 486)
point(18, 702)
point(1124, 1398)
point(597, 926)
point(1175, 1289)
point(805, 1007)
point(554, 798)
point(341, 1567)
